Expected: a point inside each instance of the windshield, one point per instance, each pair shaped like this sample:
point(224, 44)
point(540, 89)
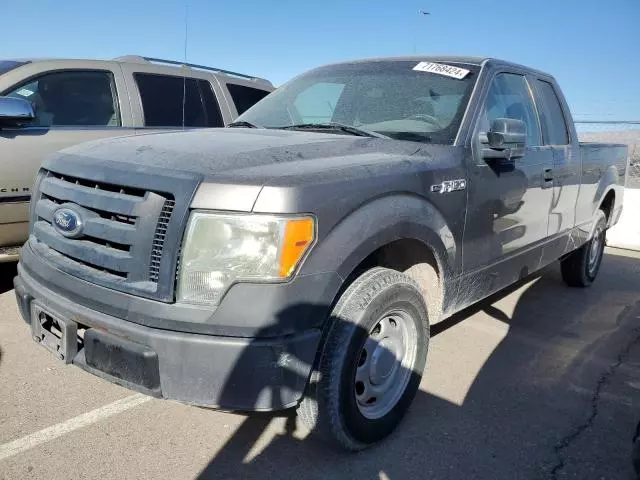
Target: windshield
point(386, 97)
point(6, 65)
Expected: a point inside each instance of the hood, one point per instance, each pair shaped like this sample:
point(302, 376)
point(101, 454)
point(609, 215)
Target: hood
point(253, 156)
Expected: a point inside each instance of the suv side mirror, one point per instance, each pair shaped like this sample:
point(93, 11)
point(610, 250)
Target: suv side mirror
point(15, 112)
point(506, 139)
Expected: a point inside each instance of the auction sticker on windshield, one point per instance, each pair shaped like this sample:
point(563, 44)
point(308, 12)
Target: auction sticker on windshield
point(442, 69)
point(24, 92)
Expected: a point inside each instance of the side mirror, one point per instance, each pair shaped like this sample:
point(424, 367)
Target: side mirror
point(505, 140)
point(15, 112)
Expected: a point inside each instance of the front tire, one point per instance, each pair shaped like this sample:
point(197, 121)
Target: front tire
point(371, 362)
point(636, 453)
point(581, 267)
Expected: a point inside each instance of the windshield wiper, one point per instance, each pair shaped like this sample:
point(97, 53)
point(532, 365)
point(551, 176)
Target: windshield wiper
point(411, 136)
point(242, 124)
point(335, 126)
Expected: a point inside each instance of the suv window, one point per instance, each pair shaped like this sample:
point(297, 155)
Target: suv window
point(72, 98)
point(554, 127)
point(509, 96)
point(8, 65)
point(169, 101)
point(245, 97)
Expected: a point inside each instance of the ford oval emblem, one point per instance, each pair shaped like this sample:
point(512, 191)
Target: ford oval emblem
point(67, 222)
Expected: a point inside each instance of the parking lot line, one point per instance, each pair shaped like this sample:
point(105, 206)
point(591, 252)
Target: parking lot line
point(25, 443)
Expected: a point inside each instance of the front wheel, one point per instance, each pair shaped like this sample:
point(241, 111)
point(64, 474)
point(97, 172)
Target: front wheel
point(371, 362)
point(581, 267)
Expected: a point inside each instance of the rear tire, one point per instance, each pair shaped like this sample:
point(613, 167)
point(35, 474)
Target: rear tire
point(636, 452)
point(371, 362)
point(581, 267)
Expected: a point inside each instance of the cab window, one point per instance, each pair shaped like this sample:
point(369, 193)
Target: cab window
point(245, 97)
point(72, 98)
point(171, 101)
point(509, 96)
point(554, 127)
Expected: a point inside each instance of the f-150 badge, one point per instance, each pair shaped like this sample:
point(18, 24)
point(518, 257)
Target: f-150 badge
point(449, 186)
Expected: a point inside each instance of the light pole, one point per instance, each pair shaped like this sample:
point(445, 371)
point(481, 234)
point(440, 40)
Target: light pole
point(421, 13)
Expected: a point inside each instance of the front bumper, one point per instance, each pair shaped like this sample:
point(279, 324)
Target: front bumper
point(235, 373)
point(248, 310)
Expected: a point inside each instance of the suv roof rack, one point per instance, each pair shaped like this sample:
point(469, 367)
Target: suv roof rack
point(141, 59)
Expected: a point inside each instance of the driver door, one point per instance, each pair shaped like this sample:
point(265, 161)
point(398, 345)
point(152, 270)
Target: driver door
point(509, 200)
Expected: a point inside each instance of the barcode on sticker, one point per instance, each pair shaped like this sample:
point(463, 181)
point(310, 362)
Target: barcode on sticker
point(442, 69)
point(23, 92)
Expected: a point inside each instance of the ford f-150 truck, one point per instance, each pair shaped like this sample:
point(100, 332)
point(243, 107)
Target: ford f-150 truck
point(299, 257)
point(50, 104)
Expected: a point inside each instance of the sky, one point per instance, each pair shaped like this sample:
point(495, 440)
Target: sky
point(592, 47)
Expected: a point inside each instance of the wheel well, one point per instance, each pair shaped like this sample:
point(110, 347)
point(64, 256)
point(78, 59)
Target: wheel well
point(413, 258)
point(607, 204)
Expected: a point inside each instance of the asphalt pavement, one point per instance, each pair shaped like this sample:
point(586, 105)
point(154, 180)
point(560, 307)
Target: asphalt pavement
point(540, 382)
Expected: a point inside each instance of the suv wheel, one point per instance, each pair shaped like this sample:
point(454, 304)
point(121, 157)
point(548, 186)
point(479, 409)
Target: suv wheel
point(371, 361)
point(581, 267)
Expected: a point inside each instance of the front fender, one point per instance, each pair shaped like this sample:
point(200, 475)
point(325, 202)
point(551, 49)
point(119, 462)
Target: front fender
point(377, 223)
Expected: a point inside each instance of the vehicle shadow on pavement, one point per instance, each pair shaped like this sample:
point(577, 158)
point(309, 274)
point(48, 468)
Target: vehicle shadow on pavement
point(8, 270)
point(545, 403)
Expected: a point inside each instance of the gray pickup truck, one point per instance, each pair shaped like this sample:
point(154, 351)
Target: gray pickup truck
point(49, 104)
point(298, 258)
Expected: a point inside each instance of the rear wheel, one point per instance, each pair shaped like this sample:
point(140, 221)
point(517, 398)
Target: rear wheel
point(581, 267)
point(636, 452)
point(371, 362)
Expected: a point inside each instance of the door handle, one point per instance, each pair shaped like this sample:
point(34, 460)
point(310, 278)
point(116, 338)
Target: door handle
point(547, 178)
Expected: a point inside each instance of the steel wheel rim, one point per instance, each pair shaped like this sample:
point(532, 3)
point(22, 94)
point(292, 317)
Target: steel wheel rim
point(385, 364)
point(595, 250)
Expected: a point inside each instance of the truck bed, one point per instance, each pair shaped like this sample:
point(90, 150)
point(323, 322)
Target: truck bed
point(603, 166)
point(604, 154)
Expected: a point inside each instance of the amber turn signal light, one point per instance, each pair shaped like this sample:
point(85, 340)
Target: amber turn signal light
point(298, 236)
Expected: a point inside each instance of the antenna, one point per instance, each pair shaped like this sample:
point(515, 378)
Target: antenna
point(186, 30)
point(184, 77)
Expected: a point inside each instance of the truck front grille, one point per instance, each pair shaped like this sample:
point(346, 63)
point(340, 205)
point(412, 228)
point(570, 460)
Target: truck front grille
point(159, 239)
point(124, 234)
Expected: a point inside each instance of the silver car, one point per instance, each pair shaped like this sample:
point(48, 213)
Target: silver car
point(47, 105)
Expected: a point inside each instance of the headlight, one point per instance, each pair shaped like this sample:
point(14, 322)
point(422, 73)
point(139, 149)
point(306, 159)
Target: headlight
point(221, 249)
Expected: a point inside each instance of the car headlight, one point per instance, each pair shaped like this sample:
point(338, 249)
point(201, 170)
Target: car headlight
point(219, 250)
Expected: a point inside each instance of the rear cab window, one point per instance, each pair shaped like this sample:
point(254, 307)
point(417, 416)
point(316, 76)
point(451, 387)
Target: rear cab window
point(554, 126)
point(245, 97)
point(173, 101)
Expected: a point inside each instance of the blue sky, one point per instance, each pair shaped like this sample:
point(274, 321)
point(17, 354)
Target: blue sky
point(591, 46)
